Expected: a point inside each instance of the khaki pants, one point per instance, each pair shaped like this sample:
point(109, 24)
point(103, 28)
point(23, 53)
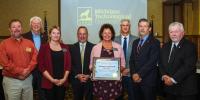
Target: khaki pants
point(15, 89)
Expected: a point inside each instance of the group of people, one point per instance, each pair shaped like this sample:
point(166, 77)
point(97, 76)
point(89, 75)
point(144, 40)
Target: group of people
point(45, 63)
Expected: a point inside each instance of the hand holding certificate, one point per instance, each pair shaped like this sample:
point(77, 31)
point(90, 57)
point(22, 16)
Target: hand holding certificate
point(106, 69)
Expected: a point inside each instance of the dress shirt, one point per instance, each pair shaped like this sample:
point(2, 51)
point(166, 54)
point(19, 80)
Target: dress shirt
point(17, 55)
point(37, 40)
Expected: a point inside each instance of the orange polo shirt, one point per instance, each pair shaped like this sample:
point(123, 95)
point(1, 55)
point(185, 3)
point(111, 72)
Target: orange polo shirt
point(17, 55)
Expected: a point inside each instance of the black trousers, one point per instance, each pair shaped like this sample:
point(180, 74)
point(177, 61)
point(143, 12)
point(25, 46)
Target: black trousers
point(142, 92)
point(82, 90)
point(56, 93)
point(179, 97)
point(37, 77)
point(1, 87)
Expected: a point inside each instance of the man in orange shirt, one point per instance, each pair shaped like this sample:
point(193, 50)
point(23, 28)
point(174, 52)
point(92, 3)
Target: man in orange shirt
point(18, 56)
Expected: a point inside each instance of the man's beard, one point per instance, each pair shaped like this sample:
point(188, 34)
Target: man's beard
point(16, 36)
point(141, 33)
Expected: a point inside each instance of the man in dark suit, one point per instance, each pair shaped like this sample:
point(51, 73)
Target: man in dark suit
point(143, 63)
point(80, 73)
point(177, 65)
point(125, 39)
point(37, 38)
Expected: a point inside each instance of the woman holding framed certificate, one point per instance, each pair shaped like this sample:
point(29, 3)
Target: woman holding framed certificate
point(107, 55)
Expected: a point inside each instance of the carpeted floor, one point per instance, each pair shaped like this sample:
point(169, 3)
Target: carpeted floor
point(69, 95)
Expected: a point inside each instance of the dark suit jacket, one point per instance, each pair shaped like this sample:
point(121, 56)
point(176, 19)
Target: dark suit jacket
point(181, 68)
point(44, 39)
point(145, 63)
point(76, 59)
point(29, 36)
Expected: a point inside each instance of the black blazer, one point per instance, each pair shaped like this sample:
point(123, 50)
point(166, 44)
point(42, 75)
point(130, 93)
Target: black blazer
point(29, 36)
point(44, 39)
point(145, 63)
point(182, 68)
point(76, 59)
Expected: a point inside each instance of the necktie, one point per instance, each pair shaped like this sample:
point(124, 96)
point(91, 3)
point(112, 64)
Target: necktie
point(172, 54)
point(125, 46)
point(82, 55)
point(139, 46)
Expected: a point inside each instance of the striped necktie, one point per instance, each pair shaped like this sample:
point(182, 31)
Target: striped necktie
point(139, 46)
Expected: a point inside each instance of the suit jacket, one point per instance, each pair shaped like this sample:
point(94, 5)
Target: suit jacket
point(29, 36)
point(45, 63)
point(182, 68)
point(130, 42)
point(76, 59)
point(145, 63)
point(44, 39)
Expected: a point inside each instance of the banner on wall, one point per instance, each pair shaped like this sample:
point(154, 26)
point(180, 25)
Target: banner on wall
point(94, 13)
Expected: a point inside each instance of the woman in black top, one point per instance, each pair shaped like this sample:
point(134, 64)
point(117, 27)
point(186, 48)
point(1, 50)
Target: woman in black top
point(54, 63)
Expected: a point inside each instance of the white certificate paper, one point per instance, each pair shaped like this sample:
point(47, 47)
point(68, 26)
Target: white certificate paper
point(106, 69)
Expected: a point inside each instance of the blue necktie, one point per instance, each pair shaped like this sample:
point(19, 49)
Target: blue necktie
point(125, 46)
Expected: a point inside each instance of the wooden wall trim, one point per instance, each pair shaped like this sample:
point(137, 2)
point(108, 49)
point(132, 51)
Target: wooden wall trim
point(4, 37)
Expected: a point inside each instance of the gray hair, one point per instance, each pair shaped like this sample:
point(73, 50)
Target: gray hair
point(125, 20)
point(36, 18)
point(129, 22)
point(180, 26)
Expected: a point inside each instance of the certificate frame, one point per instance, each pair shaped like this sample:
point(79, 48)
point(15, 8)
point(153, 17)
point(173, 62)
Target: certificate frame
point(105, 68)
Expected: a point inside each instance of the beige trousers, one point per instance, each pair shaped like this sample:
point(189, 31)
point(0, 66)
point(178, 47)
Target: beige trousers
point(15, 89)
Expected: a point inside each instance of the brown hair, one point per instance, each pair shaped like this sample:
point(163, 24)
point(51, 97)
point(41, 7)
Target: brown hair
point(107, 26)
point(84, 27)
point(14, 20)
point(144, 20)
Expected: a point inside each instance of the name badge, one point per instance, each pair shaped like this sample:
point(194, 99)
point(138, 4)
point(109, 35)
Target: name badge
point(28, 49)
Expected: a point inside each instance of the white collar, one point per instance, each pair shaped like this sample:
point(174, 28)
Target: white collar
point(175, 43)
point(82, 43)
point(125, 36)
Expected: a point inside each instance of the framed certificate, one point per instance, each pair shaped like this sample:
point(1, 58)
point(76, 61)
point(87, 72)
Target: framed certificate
point(106, 69)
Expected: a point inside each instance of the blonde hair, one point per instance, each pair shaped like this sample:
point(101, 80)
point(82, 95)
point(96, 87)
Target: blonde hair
point(39, 19)
point(51, 29)
point(35, 18)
